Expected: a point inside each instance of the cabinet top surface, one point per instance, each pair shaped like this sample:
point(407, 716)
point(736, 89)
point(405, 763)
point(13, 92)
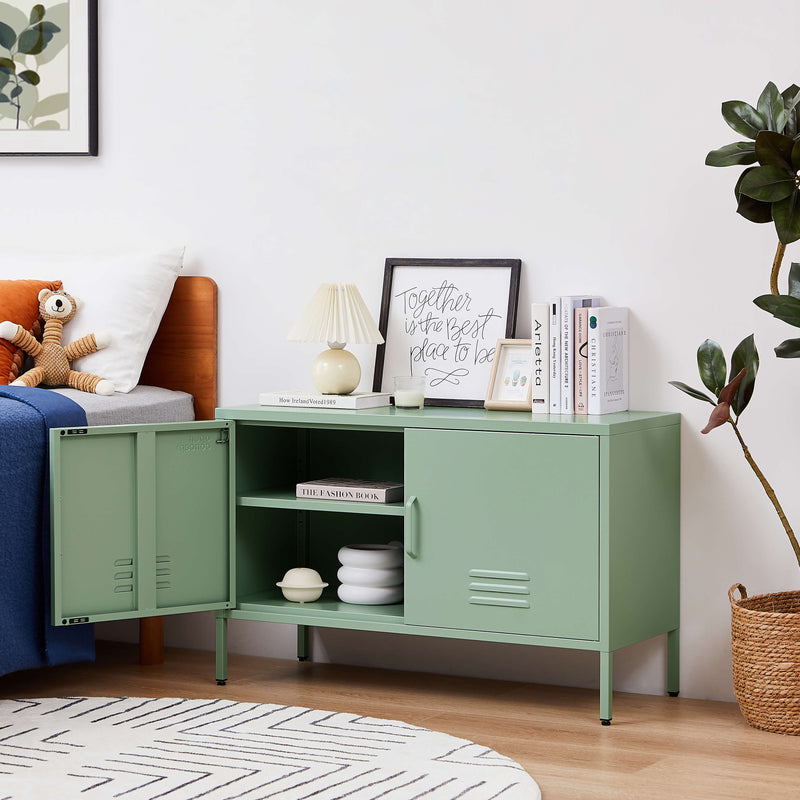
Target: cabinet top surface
point(454, 418)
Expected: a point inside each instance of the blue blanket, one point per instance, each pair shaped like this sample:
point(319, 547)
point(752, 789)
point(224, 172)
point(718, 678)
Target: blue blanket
point(27, 639)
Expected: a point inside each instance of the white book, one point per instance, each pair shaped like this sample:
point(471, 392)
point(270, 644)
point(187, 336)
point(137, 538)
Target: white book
point(316, 400)
point(554, 367)
point(356, 490)
point(540, 343)
point(608, 360)
point(581, 360)
point(567, 324)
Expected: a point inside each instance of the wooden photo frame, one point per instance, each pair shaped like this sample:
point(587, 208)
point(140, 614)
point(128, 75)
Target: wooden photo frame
point(48, 78)
point(441, 319)
point(510, 383)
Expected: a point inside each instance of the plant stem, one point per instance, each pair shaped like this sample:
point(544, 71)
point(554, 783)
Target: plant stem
point(776, 268)
point(770, 492)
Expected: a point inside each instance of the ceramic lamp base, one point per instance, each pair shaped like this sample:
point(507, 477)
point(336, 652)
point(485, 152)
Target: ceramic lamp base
point(335, 371)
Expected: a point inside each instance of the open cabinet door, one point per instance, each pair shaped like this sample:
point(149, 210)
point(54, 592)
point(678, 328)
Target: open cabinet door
point(140, 520)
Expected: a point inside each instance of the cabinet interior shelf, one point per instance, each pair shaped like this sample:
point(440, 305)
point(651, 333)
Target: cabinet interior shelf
point(328, 605)
point(288, 500)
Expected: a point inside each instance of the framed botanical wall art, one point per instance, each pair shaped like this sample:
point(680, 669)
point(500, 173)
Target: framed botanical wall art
point(441, 319)
point(48, 77)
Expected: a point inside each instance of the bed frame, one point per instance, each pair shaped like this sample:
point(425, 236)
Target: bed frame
point(183, 356)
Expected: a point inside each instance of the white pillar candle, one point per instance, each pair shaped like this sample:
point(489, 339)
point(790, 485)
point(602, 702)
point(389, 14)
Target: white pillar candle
point(408, 398)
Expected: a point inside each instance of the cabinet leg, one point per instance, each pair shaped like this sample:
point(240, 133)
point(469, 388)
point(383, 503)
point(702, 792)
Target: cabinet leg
point(303, 648)
point(606, 686)
point(222, 650)
point(673, 662)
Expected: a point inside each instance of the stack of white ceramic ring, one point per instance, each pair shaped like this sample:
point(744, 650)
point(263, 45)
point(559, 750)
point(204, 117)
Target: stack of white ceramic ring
point(371, 574)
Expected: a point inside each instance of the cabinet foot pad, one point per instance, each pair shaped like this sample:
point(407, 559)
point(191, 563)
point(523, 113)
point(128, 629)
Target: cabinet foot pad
point(221, 683)
point(605, 721)
point(672, 694)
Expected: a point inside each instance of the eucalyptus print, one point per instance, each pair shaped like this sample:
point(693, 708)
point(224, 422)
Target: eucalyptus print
point(20, 44)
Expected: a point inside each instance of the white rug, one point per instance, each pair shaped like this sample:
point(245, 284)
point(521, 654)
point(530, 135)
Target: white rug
point(142, 749)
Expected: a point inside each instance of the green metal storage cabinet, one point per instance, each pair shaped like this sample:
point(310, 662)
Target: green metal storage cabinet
point(553, 531)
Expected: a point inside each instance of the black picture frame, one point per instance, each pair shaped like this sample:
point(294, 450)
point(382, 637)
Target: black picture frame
point(442, 318)
point(63, 87)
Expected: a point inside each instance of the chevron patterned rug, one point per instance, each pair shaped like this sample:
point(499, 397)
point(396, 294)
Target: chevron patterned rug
point(176, 749)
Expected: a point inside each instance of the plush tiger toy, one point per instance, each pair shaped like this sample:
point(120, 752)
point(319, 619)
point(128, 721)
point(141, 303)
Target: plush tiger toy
point(51, 359)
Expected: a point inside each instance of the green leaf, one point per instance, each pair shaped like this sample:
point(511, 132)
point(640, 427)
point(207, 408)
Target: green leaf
point(711, 364)
point(732, 154)
point(52, 104)
point(791, 98)
point(692, 392)
point(786, 214)
point(774, 149)
point(37, 14)
point(753, 210)
point(781, 306)
point(788, 349)
point(743, 118)
point(794, 158)
point(29, 76)
point(7, 36)
point(4, 98)
point(768, 184)
point(794, 280)
point(33, 40)
point(7, 65)
point(745, 356)
point(770, 107)
point(16, 92)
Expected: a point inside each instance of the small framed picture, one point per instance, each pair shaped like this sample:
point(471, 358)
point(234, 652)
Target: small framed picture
point(510, 381)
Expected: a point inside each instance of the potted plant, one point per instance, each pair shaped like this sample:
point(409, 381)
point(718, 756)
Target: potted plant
point(765, 629)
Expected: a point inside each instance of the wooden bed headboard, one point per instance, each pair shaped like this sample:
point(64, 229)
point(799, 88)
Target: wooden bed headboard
point(183, 355)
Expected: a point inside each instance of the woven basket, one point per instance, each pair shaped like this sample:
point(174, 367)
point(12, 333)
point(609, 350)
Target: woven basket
point(765, 645)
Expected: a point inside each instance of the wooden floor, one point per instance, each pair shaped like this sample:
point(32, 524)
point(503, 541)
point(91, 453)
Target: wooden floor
point(656, 747)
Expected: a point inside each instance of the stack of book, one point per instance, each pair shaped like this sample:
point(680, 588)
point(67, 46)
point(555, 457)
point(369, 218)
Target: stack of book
point(580, 356)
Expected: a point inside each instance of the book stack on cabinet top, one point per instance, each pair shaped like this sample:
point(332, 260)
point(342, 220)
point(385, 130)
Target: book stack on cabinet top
point(580, 356)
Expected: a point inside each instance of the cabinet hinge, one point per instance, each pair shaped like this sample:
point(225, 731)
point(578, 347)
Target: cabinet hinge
point(224, 436)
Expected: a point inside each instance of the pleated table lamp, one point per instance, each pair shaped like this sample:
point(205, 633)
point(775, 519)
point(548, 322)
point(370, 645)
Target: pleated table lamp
point(338, 315)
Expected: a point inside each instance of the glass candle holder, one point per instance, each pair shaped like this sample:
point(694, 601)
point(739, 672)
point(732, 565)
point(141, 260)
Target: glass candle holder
point(409, 392)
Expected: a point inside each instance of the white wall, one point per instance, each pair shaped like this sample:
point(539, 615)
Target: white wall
point(288, 142)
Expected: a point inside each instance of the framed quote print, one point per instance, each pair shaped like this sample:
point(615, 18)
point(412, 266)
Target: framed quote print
point(441, 320)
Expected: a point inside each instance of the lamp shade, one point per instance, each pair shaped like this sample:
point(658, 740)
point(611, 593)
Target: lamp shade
point(336, 313)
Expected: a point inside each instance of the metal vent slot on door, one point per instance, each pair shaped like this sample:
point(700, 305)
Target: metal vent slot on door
point(510, 589)
point(163, 572)
point(123, 575)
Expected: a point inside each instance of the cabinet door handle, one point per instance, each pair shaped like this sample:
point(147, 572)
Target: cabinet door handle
point(410, 534)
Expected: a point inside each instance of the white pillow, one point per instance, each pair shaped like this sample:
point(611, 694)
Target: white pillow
point(125, 295)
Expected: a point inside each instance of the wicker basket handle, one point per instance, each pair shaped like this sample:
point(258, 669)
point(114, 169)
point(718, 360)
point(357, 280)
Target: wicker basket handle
point(731, 591)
